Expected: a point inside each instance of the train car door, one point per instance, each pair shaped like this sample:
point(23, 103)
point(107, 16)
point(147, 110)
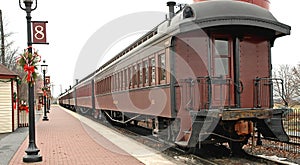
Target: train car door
point(222, 71)
point(255, 54)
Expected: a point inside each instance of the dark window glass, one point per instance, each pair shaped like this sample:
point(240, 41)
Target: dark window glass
point(162, 61)
point(221, 47)
point(146, 73)
point(140, 73)
point(221, 57)
point(152, 70)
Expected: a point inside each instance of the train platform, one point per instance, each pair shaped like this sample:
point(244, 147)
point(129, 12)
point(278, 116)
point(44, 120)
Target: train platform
point(68, 138)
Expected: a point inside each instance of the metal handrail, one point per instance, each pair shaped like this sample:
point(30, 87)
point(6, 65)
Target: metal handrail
point(270, 81)
point(207, 83)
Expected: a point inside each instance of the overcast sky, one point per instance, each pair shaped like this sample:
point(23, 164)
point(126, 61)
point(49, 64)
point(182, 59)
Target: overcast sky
point(72, 23)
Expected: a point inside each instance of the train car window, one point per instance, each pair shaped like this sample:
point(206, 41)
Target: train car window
point(125, 79)
point(105, 85)
point(115, 82)
point(122, 80)
point(97, 87)
point(105, 90)
point(221, 57)
point(221, 46)
point(141, 74)
point(109, 82)
point(162, 67)
point(102, 86)
point(188, 12)
point(152, 61)
point(112, 83)
point(119, 81)
point(135, 75)
point(146, 73)
point(130, 77)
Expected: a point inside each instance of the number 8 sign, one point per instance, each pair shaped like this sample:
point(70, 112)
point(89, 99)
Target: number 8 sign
point(39, 32)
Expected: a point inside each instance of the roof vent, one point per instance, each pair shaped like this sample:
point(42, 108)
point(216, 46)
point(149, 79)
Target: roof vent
point(171, 5)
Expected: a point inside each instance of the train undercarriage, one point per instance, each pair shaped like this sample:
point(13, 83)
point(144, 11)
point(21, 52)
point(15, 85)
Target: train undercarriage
point(208, 127)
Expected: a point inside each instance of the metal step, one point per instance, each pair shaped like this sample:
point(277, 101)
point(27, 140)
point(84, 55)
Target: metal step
point(187, 132)
point(182, 143)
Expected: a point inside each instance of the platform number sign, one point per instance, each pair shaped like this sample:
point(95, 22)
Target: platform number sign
point(39, 32)
point(47, 80)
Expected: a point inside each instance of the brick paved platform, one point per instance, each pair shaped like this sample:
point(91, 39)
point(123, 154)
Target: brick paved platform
point(68, 138)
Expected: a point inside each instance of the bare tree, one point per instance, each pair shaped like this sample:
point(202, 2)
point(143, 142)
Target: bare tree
point(2, 39)
point(296, 73)
point(8, 51)
point(11, 56)
point(288, 91)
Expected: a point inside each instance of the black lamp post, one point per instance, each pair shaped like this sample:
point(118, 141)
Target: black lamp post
point(44, 69)
point(32, 150)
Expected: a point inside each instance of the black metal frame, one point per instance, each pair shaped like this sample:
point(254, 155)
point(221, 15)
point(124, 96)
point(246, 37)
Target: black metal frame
point(32, 150)
point(45, 117)
point(258, 82)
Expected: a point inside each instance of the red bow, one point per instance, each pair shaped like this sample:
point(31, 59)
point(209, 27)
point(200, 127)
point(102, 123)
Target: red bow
point(29, 70)
point(26, 109)
point(45, 93)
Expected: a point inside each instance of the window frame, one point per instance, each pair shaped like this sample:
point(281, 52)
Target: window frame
point(140, 74)
point(146, 69)
point(162, 80)
point(216, 56)
point(152, 77)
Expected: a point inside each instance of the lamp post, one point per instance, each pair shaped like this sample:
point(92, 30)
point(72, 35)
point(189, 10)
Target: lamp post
point(44, 69)
point(32, 150)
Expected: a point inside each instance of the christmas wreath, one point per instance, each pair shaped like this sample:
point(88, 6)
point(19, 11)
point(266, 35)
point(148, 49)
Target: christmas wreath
point(28, 61)
point(45, 89)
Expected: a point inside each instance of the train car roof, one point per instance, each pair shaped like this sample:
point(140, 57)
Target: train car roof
point(205, 15)
point(218, 13)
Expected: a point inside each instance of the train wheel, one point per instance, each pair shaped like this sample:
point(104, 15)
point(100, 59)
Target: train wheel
point(174, 129)
point(155, 127)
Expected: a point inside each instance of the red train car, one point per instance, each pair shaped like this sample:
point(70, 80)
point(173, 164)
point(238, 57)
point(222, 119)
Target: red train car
point(202, 76)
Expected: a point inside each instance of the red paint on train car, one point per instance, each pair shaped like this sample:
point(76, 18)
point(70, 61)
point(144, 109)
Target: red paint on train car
point(262, 3)
point(154, 101)
point(254, 62)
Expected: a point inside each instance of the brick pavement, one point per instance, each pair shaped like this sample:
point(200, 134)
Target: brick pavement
point(64, 140)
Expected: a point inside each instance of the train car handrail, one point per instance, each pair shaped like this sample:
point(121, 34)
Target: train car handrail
point(259, 81)
point(201, 88)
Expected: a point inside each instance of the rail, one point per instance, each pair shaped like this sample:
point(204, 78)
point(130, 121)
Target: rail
point(205, 92)
point(23, 116)
point(291, 124)
point(263, 91)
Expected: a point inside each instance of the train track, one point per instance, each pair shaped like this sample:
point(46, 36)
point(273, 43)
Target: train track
point(292, 146)
point(216, 154)
point(269, 148)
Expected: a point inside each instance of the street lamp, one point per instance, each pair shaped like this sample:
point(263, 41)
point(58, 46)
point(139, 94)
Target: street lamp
point(32, 150)
point(44, 69)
